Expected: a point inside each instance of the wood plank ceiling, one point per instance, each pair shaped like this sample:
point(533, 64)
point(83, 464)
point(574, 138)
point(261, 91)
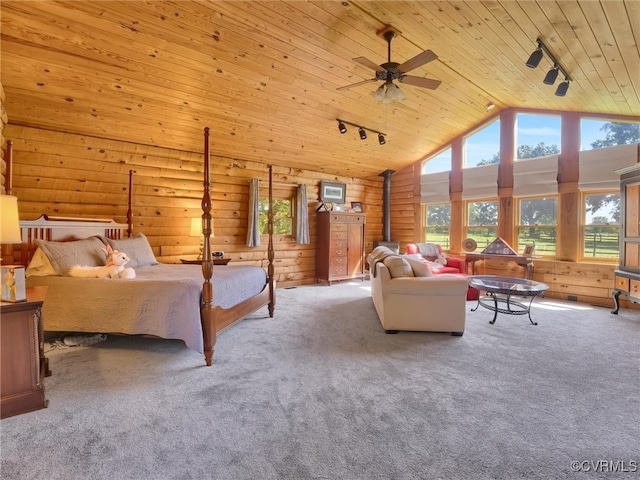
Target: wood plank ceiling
point(263, 75)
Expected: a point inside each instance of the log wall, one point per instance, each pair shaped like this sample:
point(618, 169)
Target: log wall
point(80, 176)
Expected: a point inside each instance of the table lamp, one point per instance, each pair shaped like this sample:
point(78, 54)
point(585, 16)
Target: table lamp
point(196, 231)
point(13, 276)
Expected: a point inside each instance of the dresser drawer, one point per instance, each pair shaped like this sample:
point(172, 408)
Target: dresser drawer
point(338, 261)
point(339, 235)
point(338, 270)
point(337, 219)
point(634, 289)
point(622, 283)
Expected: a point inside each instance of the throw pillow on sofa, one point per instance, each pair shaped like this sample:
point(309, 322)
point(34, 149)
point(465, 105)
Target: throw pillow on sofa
point(418, 265)
point(398, 266)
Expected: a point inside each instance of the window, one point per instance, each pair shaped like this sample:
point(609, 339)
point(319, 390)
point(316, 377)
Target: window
point(483, 146)
point(283, 220)
point(597, 133)
point(437, 221)
point(537, 135)
point(482, 222)
point(601, 225)
point(438, 163)
point(537, 224)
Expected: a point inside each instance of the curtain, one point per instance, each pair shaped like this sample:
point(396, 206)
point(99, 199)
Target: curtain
point(434, 188)
point(598, 167)
point(302, 216)
point(535, 176)
point(253, 229)
point(480, 182)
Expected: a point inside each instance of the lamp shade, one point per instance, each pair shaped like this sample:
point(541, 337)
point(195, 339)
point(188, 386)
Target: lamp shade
point(10, 222)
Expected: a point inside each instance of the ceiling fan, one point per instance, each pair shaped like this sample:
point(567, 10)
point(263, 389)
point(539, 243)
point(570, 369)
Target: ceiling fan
point(389, 92)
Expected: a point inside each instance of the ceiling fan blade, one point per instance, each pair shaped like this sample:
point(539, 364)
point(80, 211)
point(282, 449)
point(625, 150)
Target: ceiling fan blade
point(417, 61)
point(368, 63)
point(420, 81)
point(357, 84)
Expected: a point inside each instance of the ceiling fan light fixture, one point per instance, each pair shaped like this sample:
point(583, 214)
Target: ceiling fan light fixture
point(362, 133)
point(551, 76)
point(342, 127)
point(388, 92)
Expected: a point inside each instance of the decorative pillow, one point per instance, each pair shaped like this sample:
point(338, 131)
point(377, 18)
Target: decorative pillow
point(398, 266)
point(419, 267)
point(64, 255)
point(429, 251)
point(137, 248)
point(40, 266)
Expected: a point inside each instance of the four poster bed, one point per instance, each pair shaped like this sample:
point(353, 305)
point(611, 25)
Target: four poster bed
point(188, 302)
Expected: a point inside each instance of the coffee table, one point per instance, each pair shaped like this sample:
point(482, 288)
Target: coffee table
point(495, 285)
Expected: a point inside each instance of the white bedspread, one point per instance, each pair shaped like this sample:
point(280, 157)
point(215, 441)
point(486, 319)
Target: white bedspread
point(163, 300)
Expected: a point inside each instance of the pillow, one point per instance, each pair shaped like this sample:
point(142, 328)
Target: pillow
point(419, 267)
point(429, 251)
point(40, 266)
point(398, 266)
point(64, 255)
point(137, 248)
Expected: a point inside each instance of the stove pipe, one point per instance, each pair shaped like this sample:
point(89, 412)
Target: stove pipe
point(386, 205)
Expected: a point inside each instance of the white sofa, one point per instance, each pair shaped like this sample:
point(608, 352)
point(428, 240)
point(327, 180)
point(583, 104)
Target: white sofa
point(416, 303)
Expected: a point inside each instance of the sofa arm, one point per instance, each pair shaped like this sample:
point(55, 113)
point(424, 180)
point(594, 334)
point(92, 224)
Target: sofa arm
point(458, 263)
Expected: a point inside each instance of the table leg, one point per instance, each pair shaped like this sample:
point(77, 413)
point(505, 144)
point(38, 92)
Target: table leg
point(495, 309)
point(616, 301)
point(529, 311)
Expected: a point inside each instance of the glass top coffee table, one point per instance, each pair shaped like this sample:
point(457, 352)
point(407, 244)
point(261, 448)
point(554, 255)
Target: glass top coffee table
point(495, 285)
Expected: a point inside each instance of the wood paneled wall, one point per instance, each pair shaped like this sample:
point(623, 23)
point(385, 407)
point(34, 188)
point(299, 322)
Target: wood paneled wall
point(80, 176)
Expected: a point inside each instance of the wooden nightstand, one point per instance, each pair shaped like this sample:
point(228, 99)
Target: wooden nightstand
point(24, 365)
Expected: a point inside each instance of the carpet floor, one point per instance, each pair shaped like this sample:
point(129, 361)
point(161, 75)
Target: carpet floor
point(321, 392)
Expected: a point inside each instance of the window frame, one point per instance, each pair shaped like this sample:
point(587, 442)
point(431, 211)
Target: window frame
point(425, 225)
point(465, 220)
point(584, 225)
point(263, 213)
point(518, 225)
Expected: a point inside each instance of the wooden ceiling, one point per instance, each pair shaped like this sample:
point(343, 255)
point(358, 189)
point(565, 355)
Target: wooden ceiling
point(263, 75)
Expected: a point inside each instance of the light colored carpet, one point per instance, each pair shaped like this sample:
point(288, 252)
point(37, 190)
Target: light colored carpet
point(321, 392)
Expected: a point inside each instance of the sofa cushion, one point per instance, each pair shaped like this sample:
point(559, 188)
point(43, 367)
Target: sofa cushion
point(398, 266)
point(418, 265)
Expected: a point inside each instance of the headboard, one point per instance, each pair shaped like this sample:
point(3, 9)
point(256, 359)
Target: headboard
point(63, 229)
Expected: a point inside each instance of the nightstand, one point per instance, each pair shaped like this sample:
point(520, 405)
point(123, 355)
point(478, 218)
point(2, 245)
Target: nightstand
point(24, 365)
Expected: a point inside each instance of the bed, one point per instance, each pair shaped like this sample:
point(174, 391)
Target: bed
point(171, 301)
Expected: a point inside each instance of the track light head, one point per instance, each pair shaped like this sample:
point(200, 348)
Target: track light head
point(535, 57)
point(363, 133)
point(342, 127)
point(551, 76)
point(381, 139)
point(561, 91)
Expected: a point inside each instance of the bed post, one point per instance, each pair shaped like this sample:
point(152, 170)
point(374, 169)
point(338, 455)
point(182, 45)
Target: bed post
point(206, 308)
point(129, 209)
point(270, 253)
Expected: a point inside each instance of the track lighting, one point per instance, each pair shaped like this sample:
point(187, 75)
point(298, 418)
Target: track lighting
point(362, 131)
point(552, 75)
point(561, 91)
point(535, 57)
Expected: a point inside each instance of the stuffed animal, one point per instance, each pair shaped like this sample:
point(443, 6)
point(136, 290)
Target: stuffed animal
point(115, 267)
point(442, 259)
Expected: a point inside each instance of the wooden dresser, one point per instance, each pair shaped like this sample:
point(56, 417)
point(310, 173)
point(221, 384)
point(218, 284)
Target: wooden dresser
point(24, 365)
point(340, 246)
point(627, 276)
